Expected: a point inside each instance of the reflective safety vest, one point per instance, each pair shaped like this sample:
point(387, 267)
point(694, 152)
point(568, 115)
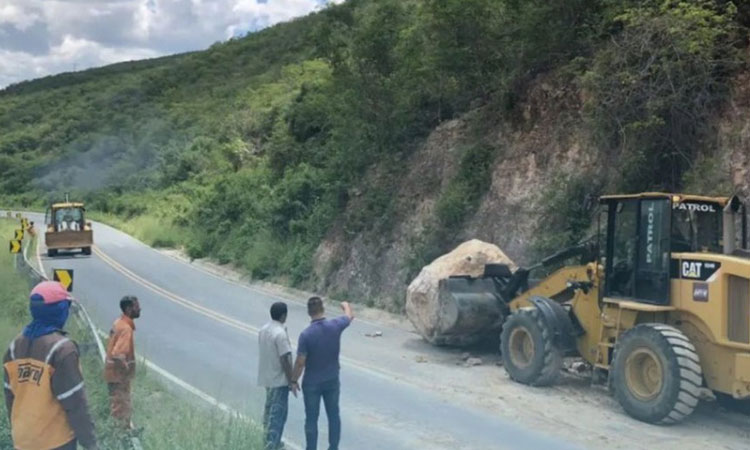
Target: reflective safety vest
point(38, 420)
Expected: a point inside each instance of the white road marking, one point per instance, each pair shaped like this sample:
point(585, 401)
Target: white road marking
point(167, 375)
point(199, 393)
point(380, 372)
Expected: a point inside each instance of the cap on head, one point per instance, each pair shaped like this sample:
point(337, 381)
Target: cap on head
point(49, 292)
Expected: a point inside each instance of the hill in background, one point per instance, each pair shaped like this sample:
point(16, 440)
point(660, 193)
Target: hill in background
point(344, 150)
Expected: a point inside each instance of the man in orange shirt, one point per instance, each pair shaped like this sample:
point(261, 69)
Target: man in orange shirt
point(119, 368)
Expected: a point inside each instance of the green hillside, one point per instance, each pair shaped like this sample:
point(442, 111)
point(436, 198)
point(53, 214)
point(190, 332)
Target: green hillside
point(251, 150)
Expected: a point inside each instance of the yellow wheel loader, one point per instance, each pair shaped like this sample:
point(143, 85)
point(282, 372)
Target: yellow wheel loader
point(67, 229)
point(660, 307)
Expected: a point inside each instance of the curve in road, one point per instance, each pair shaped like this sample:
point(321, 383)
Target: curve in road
point(202, 329)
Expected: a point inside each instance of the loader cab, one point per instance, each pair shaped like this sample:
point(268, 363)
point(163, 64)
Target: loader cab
point(65, 217)
point(637, 248)
point(644, 230)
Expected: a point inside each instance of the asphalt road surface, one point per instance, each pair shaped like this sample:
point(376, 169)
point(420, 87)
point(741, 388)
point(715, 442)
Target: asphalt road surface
point(203, 330)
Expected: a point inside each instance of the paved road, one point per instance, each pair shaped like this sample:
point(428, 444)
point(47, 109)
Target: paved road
point(203, 329)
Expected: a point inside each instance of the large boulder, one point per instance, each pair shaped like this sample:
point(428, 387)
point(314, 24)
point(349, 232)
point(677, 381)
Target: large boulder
point(444, 319)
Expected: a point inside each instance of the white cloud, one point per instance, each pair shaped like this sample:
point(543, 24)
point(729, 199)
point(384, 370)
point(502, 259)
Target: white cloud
point(273, 11)
point(19, 17)
point(43, 37)
point(71, 54)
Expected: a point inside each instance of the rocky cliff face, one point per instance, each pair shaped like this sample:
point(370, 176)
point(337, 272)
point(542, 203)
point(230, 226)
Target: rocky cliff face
point(733, 146)
point(547, 143)
point(372, 268)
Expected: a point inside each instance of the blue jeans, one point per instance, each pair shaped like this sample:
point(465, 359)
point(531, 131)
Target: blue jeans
point(274, 416)
point(329, 391)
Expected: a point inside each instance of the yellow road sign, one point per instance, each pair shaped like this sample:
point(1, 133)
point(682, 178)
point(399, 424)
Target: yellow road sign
point(15, 246)
point(19, 235)
point(24, 223)
point(65, 277)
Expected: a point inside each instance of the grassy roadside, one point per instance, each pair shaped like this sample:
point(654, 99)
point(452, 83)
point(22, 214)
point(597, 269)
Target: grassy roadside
point(154, 231)
point(169, 421)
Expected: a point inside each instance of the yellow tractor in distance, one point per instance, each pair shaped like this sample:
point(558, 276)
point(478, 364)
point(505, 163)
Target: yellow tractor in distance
point(67, 228)
point(661, 307)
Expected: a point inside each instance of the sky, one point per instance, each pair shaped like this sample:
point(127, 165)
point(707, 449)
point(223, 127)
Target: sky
point(45, 37)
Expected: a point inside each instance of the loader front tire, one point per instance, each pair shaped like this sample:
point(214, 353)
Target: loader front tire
point(529, 353)
point(657, 374)
point(86, 250)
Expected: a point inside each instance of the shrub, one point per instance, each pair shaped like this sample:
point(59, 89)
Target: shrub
point(568, 205)
point(656, 87)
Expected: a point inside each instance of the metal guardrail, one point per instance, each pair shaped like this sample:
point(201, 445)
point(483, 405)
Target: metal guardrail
point(35, 276)
point(27, 269)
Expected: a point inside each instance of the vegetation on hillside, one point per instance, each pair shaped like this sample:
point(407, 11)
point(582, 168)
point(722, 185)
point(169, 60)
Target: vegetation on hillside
point(251, 149)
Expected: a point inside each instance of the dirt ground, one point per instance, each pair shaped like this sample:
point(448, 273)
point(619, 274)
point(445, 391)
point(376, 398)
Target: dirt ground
point(573, 410)
point(578, 412)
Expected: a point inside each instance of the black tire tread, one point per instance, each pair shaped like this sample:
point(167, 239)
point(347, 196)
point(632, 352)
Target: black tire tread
point(552, 357)
point(550, 369)
point(688, 365)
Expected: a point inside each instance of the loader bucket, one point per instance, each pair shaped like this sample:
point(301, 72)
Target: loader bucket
point(469, 310)
point(62, 240)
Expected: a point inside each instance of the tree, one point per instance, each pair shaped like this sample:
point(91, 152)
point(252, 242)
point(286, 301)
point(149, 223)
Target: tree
point(657, 85)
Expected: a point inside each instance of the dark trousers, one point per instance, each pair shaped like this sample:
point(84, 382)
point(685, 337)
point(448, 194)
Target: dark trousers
point(274, 416)
point(329, 392)
point(120, 405)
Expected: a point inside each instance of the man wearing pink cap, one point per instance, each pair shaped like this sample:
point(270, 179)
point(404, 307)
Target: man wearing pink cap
point(43, 383)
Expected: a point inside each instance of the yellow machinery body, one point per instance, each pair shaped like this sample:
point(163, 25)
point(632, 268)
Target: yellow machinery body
point(661, 306)
point(718, 326)
point(67, 228)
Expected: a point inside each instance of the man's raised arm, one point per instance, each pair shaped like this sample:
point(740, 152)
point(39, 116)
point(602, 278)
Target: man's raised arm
point(348, 312)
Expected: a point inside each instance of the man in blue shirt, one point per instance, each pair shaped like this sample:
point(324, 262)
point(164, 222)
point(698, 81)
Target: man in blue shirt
point(318, 356)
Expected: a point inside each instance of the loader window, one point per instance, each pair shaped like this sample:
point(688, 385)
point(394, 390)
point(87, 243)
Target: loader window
point(69, 219)
point(622, 246)
point(696, 227)
point(652, 272)
point(638, 255)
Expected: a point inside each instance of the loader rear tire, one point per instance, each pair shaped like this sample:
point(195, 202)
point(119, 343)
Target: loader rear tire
point(86, 250)
point(51, 253)
point(657, 374)
point(529, 353)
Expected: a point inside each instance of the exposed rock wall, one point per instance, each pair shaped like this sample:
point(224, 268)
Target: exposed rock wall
point(548, 139)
